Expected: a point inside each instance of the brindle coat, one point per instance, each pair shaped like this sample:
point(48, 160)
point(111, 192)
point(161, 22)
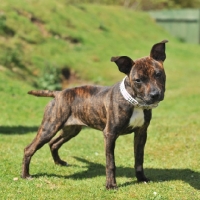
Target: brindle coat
point(105, 109)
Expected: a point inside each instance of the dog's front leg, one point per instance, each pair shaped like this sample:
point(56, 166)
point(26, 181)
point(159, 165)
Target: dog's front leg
point(109, 141)
point(139, 144)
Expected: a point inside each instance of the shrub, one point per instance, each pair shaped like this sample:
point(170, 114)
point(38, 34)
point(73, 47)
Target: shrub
point(50, 78)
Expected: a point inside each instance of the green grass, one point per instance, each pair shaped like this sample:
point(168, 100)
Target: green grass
point(172, 156)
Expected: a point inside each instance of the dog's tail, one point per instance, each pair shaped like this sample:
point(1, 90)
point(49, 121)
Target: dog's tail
point(43, 93)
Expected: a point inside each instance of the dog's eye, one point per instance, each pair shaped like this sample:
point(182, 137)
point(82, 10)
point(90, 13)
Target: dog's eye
point(137, 80)
point(158, 74)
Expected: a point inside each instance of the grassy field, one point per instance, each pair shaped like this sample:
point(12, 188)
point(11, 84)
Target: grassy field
point(172, 157)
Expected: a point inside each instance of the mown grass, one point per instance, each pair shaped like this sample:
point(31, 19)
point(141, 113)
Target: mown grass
point(172, 156)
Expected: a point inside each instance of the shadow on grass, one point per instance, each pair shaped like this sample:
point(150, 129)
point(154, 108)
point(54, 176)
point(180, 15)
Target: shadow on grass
point(17, 129)
point(156, 175)
point(20, 129)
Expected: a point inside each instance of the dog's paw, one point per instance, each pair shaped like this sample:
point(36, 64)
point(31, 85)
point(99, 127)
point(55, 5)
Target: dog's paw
point(26, 176)
point(111, 186)
point(62, 163)
point(141, 177)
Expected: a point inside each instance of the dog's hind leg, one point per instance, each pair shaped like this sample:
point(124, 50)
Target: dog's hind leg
point(66, 134)
point(51, 124)
point(44, 135)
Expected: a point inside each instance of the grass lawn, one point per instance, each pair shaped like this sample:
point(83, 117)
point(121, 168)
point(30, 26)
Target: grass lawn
point(172, 157)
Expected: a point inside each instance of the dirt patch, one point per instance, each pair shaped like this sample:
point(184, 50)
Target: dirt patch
point(4, 29)
point(72, 39)
point(70, 78)
point(35, 20)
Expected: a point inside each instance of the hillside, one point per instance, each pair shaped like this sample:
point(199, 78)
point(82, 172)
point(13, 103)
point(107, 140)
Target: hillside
point(41, 38)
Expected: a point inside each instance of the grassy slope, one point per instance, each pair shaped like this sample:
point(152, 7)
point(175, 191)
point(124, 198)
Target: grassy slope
point(171, 156)
point(80, 37)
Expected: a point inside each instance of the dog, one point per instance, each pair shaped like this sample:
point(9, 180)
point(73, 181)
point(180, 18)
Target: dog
point(123, 108)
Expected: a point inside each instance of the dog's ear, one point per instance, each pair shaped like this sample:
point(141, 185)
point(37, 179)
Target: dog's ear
point(124, 63)
point(158, 51)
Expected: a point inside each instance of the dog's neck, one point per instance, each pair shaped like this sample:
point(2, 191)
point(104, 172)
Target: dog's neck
point(131, 100)
point(126, 95)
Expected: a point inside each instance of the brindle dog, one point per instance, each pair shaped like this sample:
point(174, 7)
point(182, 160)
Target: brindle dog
point(117, 110)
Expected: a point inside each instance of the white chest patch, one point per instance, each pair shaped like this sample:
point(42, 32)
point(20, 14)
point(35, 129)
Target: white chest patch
point(137, 118)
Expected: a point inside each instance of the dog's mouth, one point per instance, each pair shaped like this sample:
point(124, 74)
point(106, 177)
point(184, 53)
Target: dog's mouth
point(145, 103)
point(150, 106)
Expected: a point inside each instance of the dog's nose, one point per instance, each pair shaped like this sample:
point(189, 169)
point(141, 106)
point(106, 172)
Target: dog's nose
point(154, 95)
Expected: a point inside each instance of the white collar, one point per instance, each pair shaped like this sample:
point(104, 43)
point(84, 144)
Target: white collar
point(131, 100)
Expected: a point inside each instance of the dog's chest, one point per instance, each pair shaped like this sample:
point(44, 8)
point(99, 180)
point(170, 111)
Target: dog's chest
point(137, 118)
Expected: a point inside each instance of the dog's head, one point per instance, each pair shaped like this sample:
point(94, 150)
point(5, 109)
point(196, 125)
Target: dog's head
point(146, 76)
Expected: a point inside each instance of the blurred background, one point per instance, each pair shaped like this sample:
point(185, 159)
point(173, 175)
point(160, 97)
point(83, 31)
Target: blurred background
point(52, 45)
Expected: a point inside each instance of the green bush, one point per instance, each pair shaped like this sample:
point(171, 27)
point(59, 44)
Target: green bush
point(50, 78)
